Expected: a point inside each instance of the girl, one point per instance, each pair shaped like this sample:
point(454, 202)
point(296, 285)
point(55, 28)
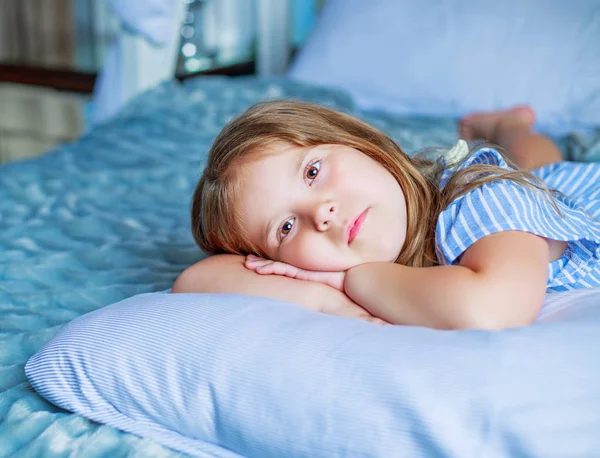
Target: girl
point(321, 209)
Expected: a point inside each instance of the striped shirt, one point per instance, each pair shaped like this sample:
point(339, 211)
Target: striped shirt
point(503, 205)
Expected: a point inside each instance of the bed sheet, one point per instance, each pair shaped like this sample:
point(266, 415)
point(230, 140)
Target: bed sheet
point(106, 217)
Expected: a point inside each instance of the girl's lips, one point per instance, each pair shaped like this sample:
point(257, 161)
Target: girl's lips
point(355, 226)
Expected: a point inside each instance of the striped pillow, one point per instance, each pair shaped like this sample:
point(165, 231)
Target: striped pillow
point(231, 375)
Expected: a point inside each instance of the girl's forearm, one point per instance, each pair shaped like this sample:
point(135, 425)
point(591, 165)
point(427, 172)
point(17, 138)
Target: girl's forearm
point(226, 274)
point(443, 297)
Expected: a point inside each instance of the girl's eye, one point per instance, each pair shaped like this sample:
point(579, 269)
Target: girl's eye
point(286, 228)
point(312, 171)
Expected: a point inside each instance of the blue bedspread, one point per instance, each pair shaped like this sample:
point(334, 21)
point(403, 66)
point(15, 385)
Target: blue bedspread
point(106, 217)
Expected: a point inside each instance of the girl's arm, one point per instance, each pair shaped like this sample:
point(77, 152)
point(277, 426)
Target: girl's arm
point(225, 273)
point(500, 282)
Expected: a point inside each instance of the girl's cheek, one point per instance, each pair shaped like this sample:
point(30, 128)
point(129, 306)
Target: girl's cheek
point(305, 253)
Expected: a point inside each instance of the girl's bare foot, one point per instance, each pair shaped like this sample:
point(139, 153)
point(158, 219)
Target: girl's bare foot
point(489, 125)
point(512, 130)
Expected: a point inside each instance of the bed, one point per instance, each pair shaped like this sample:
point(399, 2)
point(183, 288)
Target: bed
point(107, 217)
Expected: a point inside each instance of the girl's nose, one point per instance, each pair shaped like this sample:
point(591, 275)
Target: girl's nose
point(325, 215)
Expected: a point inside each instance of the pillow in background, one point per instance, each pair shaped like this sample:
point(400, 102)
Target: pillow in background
point(450, 58)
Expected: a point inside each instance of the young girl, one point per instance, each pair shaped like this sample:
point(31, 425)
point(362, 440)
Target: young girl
point(318, 208)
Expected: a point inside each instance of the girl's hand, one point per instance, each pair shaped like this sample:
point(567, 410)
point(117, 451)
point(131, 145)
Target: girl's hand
point(267, 267)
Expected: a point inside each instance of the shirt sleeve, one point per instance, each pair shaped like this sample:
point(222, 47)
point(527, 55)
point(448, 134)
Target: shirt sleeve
point(503, 205)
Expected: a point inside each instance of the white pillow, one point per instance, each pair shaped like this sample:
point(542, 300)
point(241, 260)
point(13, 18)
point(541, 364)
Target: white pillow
point(450, 58)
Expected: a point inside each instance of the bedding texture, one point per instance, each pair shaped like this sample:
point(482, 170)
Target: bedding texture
point(106, 217)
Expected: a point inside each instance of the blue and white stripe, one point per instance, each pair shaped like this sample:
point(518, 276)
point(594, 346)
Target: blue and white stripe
point(503, 205)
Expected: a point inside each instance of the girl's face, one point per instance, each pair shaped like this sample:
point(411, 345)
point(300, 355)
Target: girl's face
point(328, 207)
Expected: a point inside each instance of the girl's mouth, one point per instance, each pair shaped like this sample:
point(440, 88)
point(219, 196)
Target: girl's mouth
point(355, 226)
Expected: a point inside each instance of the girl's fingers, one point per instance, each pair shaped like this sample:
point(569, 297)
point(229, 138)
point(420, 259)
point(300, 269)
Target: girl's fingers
point(268, 267)
point(282, 269)
point(276, 268)
point(265, 269)
point(256, 265)
point(253, 262)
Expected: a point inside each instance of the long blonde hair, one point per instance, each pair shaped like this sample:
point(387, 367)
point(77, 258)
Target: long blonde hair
point(215, 218)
